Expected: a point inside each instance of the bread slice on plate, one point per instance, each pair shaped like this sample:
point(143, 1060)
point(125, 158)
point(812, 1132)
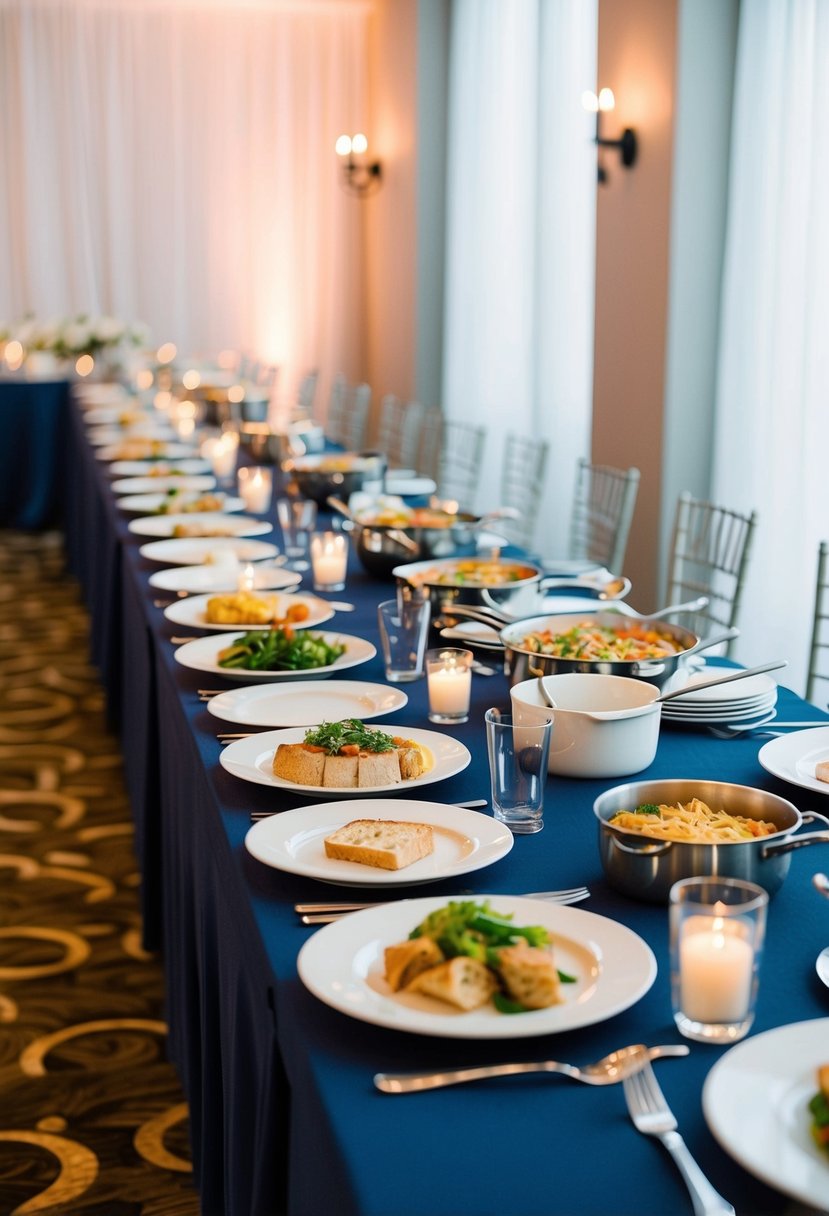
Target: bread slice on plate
point(463, 982)
point(294, 762)
point(386, 843)
point(406, 960)
point(341, 772)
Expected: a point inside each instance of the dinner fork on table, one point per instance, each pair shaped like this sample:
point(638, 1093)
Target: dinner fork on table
point(325, 913)
point(652, 1116)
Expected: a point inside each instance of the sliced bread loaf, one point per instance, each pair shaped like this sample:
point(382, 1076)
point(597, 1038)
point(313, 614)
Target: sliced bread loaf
point(386, 843)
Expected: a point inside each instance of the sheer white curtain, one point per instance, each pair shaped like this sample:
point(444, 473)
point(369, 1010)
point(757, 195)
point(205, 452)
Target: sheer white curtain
point(772, 429)
point(521, 236)
point(174, 162)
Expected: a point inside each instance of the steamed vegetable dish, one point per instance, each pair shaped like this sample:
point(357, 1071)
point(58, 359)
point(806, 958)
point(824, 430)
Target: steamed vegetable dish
point(280, 650)
point(591, 641)
point(819, 1110)
point(467, 955)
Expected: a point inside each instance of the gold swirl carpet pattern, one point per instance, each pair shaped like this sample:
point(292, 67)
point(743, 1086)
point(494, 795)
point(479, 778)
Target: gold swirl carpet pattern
point(92, 1117)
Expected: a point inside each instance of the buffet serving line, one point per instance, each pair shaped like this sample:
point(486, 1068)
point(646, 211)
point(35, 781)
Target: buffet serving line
point(284, 1112)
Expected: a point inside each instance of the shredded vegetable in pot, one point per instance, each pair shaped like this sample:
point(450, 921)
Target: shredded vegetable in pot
point(591, 641)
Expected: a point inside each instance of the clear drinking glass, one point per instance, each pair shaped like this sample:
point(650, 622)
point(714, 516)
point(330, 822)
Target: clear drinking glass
point(518, 759)
point(717, 931)
point(404, 627)
point(297, 519)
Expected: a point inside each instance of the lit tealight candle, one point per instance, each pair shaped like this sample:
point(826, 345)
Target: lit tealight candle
point(716, 964)
point(222, 452)
point(255, 488)
point(247, 578)
point(329, 559)
point(449, 677)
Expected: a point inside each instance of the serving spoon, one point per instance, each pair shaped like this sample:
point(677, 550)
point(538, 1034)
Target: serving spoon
point(610, 715)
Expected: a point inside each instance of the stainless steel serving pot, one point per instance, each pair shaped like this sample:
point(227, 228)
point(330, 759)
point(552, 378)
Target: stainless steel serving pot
point(381, 547)
point(523, 663)
point(340, 473)
point(645, 868)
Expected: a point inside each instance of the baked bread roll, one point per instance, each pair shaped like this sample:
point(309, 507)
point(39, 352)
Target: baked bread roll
point(297, 763)
point(342, 771)
point(379, 768)
point(463, 982)
point(529, 974)
point(387, 844)
point(405, 961)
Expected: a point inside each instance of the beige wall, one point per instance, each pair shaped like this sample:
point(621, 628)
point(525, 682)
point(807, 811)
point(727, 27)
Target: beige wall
point(637, 59)
point(391, 213)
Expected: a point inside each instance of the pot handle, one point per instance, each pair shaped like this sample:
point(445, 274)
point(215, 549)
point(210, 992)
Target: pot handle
point(488, 616)
point(649, 850)
point(795, 842)
point(727, 635)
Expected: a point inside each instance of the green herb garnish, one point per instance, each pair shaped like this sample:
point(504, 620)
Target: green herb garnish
point(649, 808)
point(334, 736)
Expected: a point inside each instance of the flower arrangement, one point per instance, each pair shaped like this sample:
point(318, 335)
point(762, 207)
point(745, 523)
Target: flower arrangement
point(83, 334)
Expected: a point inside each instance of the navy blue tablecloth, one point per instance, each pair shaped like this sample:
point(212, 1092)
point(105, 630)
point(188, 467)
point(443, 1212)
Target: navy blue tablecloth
point(33, 418)
point(284, 1115)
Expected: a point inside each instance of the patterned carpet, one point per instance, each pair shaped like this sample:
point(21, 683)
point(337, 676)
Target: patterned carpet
point(92, 1118)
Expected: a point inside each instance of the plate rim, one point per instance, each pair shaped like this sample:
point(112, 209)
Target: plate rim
point(792, 776)
point(127, 503)
point(263, 688)
point(293, 577)
point(325, 941)
point(342, 811)
point(228, 763)
point(797, 1034)
point(237, 674)
point(142, 526)
point(148, 551)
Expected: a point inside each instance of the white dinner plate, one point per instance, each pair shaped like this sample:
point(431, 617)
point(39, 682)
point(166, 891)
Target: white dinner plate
point(342, 965)
point(752, 688)
point(104, 436)
point(219, 577)
point(156, 470)
point(750, 704)
point(305, 704)
point(146, 504)
point(159, 485)
point(197, 551)
point(755, 1100)
point(409, 486)
point(794, 756)
point(463, 840)
point(192, 612)
point(229, 525)
point(252, 760)
point(125, 414)
point(202, 655)
point(134, 449)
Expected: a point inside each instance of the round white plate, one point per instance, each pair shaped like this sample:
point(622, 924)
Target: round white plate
point(146, 504)
point(724, 714)
point(755, 1100)
point(112, 415)
point(822, 966)
point(195, 551)
point(410, 486)
point(342, 965)
point(752, 688)
point(794, 756)
point(294, 841)
point(202, 655)
point(104, 436)
point(252, 760)
point(156, 470)
point(218, 578)
point(751, 705)
point(192, 612)
point(304, 704)
point(141, 449)
point(159, 485)
point(230, 525)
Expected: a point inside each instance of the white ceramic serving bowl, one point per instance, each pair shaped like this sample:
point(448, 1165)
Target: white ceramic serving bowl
point(603, 726)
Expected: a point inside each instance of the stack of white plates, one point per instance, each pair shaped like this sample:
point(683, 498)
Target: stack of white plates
point(739, 701)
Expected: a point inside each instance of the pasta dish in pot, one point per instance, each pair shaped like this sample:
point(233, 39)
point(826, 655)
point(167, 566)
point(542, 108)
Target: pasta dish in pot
point(693, 822)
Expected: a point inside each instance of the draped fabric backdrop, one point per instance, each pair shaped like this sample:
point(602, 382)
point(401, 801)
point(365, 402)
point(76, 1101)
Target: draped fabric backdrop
point(772, 420)
point(521, 209)
point(174, 163)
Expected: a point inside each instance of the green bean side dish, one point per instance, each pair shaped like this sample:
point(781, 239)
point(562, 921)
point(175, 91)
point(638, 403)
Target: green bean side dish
point(280, 650)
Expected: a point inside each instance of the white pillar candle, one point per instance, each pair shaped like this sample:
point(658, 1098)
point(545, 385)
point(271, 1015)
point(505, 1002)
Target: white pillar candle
point(449, 690)
point(715, 969)
point(247, 578)
point(255, 488)
point(329, 559)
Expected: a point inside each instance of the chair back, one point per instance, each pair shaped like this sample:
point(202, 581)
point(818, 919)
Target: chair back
point(346, 422)
point(307, 392)
point(603, 504)
point(819, 644)
point(398, 432)
point(431, 438)
point(709, 556)
point(522, 483)
point(459, 462)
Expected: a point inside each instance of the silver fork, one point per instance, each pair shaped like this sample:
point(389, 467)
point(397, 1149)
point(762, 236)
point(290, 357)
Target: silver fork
point(652, 1116)
point(324, 914)
point(776, 728)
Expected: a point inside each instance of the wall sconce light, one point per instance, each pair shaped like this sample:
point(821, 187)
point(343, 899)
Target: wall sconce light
point(361, 177)
point(627, 141)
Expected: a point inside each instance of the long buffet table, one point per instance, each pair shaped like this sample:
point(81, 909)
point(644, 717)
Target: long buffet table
point(284, 1115)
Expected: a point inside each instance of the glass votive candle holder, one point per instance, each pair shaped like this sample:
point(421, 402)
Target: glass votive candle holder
point(449, 678)
point(329, 559)
point(255, 488)
point(717, 930)
point(222, 452)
